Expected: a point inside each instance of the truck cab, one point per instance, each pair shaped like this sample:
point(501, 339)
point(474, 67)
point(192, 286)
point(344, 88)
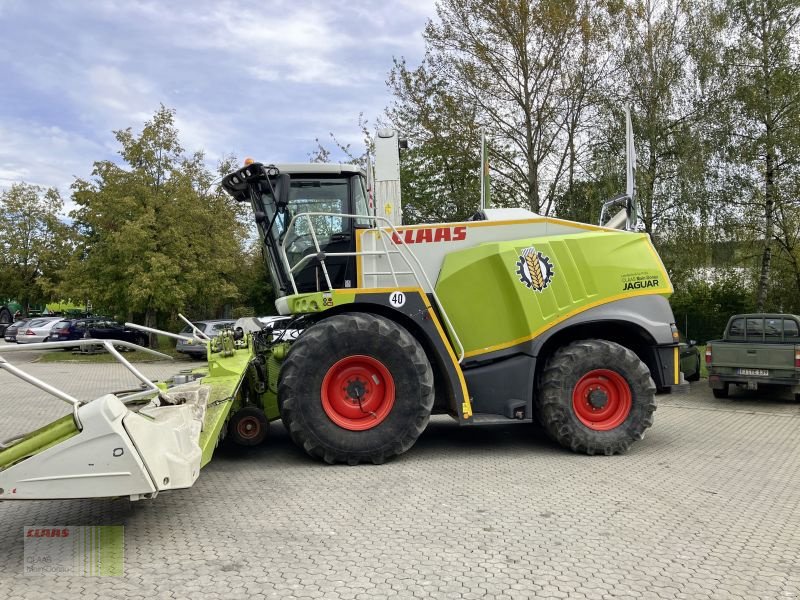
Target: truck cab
point(756, 350)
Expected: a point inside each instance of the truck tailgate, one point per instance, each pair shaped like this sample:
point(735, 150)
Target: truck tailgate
point(775, 358)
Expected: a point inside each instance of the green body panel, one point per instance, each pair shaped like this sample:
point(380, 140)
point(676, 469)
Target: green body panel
point(38, 441)
point(493, 306)
point(318, 301)
point(226, 376)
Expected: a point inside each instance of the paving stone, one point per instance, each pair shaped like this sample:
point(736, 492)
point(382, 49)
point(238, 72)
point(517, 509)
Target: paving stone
point(701, 508)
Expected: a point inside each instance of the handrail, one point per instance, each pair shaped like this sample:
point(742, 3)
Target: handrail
point(381, 231)
point(62, 395)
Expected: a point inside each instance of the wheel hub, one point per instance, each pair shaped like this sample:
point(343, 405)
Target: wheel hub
point(356, 390)
point(602, 399)
point(358, 393)
point(598, 398)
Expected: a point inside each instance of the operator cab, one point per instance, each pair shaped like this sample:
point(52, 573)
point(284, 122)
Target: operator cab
point(278, 193)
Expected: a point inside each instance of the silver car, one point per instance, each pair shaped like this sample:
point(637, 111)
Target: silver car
point(210, 328)
point(37, 330)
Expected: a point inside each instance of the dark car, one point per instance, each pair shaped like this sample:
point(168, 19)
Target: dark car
point(11, 331)
point(105, 329)
point(95, 327)
point(70, 329)
point(690, 359)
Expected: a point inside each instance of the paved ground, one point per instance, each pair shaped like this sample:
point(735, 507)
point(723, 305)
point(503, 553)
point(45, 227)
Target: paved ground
point(707, 506)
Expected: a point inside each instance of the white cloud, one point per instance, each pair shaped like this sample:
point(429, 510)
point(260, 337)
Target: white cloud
point(258, 80)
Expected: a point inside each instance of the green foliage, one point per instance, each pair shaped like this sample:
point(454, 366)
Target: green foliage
point(702, 308)
point(34, 243)
point(154, 236)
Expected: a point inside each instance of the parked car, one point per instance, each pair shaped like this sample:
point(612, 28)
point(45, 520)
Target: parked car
point(756, 350)
point(70, 329)
point(690, 359)
point(209, 328)
point(101, 328)
point(37, 330)
point(11, 331)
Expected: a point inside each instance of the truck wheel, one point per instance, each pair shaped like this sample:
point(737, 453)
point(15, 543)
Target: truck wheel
point(355, 388)
point(248, 427)
point(596, 397)
point(723, 392)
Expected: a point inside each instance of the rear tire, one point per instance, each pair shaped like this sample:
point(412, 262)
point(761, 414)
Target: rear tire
point(355, 388)
point(723, 392)
point(596, 397)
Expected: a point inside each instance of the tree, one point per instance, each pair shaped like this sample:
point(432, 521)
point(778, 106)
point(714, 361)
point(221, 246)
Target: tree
point(35, 243)
point(156, 237)
point(764, 114)
point(527, 68)
point(439, 172)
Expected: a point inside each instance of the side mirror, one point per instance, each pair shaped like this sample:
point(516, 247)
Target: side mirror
point(283, 187)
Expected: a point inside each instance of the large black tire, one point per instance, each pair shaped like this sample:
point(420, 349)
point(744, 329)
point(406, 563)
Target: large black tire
point(329, 348)
point(596, 365)
point(696, 375)
point(723, 392)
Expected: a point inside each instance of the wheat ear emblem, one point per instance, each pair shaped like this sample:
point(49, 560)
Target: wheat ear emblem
point(534, 269)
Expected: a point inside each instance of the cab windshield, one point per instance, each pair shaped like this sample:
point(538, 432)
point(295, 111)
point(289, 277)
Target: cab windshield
point(317, 195)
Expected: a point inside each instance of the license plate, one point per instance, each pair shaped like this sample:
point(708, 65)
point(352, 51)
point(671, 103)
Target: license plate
point(754, 372)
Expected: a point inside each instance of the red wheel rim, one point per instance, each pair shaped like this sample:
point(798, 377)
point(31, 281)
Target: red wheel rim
point(358, 393)
point(602, 399)
point(248, 428)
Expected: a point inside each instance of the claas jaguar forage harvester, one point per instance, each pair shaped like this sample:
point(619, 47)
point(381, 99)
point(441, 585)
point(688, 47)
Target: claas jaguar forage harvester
point(507, 318)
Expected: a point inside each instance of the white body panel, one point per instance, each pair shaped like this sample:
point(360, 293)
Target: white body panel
point(431, 243)
point(387, 176)
point(117, 453)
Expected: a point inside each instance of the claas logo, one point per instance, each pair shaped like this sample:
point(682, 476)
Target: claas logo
point(50, 532)
point(426, 235)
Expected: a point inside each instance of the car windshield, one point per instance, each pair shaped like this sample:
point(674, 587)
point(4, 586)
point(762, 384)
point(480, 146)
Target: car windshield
point(188, 328)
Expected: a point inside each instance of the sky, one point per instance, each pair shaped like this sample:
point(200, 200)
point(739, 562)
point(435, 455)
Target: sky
point(260, 79)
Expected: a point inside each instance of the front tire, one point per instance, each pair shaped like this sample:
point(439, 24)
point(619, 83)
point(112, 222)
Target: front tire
point(596, 397)
point(355, 388)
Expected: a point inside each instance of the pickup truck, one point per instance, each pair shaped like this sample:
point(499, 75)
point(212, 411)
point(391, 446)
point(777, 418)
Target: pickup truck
point(756, 350)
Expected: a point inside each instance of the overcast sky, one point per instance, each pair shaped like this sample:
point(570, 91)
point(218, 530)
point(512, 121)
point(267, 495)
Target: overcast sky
point(258, 79)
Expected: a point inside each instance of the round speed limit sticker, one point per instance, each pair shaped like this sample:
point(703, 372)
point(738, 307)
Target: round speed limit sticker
point(397, 299)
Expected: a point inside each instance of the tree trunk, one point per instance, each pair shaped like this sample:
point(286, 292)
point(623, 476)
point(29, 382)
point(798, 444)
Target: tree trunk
point(151, 320)
point(769, 226)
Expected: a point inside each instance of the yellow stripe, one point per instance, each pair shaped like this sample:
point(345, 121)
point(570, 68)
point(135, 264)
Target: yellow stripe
point(362, 290)
point(585, 226)
point(562, 318)
point(467, 406)
point(467, 409)
point(660, 263)
point(677, 367)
